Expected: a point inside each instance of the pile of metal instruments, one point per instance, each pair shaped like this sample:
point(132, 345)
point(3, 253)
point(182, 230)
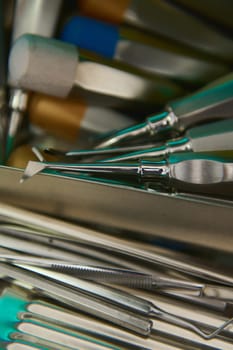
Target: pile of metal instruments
point(116, 174)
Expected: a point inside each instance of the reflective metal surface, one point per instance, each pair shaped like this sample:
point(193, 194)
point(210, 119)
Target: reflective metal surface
point(78, 301)
point(99, 81)
point(170, 21)
point(129, 302)
point(205, 138)
point(161, 215)
point(151, 127)
point(202, 171)
point(181, 172)
point(25, 20)
point(137, 250)
point(101, 274)
point(206, 105)
point(172, 64)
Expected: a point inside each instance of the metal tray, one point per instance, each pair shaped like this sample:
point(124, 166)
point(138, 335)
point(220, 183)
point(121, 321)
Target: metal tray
point(191, 220)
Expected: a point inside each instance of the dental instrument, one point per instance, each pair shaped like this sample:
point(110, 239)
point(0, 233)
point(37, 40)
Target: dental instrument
point(198, 172)
point(132, 303)
point(80, 153)
point(130, 278)
point(146, 52)
point(210, 137)
point(165, 19)
point(210, 104)
point(35, 309)
point(65, 71)
point(78, 300)
point(34, 322)
point(35, 17)
point(55, 230)
point(216, 136)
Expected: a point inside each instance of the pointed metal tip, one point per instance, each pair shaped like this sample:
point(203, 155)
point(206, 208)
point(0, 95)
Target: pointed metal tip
point(32, 169)
point(38, 154)
point(23, 178)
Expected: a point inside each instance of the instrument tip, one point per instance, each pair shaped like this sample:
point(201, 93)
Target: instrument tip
point(32, 169)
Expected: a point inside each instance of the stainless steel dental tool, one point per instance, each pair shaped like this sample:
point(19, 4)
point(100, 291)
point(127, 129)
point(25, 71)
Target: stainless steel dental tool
point(213, 297)
point(89, 268)
point(31, 320)
point(209, 137)
point(149, 53)
point(81, 153)
point(79, 301)
point(168, 20)
point(180, 171)
point(137, 306)
point(203, 106)
point(55, 230)
point(48, 322)
point(64, 71)
point(129, 278)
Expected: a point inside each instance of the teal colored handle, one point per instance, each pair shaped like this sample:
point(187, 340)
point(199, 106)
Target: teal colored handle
point(203, 98)
point(10, 306)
